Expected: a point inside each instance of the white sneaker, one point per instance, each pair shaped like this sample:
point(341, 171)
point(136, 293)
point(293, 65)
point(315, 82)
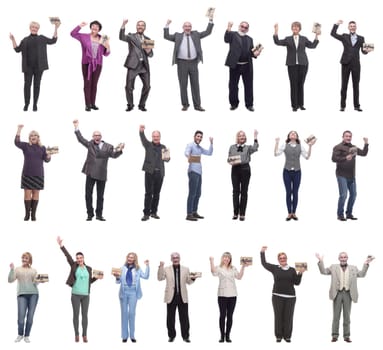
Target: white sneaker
point(26, 339)
point(19, 338)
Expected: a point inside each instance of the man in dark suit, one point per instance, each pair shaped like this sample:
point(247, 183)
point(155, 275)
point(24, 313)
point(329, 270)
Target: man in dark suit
point(187, 54)
point(155, 156)
point(296, 61)
point(240, 61)
point(137, 63)
point(350, 62)
point(95, 168)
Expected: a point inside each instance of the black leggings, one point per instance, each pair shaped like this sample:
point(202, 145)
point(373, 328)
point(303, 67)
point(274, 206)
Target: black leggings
point(226, 310)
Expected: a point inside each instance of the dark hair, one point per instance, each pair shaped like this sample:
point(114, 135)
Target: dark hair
point(79, 253)
point(97, 23)
point(347, 132)
point(288, 137)
point(298, 24)
point(351, 22)
point(198, 132)
point(141, 22)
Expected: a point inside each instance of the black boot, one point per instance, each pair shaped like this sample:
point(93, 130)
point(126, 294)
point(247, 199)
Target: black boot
point(27, 204)
point(33, 209)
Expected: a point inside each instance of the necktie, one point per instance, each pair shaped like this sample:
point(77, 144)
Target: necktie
point(177, 281)
point(129, 276)
point(188, 44)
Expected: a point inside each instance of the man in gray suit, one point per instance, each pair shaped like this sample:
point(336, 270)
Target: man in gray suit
point(187, 53)
point(95, 168)
point(155, 156)
point(176, 295)
point(343, 290)
point(137, 63)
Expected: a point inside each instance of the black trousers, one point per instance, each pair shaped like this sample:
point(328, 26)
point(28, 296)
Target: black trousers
point(153, 184)
point(183, 315)
point(352, 68)
point(246, 72)
point(100, 187)
point(35, 75)
point(131, 76)
point(297, 76)
point(283, 316)
point(240, 178)
point(226, 310)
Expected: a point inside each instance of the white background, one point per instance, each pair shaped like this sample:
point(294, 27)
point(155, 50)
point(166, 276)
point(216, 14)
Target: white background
point(62, 211)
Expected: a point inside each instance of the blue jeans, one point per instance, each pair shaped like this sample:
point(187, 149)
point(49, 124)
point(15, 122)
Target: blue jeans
point(345, 185)
point(292, 180)
point(26, 306)
point(128, 312)
point(195, 183)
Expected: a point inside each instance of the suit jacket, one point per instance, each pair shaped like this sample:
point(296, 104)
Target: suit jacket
point(334, 271)
point(136, 53)
point(195, 36)
point(139, 274)
point(235, 50)
point(96, 163)
point(150, 156)
point(41, 47)
point(350, 53)
point(73, 267)
point(168, 274)
point(293, 51)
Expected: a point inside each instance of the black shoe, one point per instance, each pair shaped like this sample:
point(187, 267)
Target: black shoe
point(228, 340)
point(142, 108)
point(347, 340)
point(100, 218)
point(287, 340)
point(232, 108)
point(184, 108)
point(351, 217)
point(145, 218)
point(186, 340)
point(124, 340)
point(89, 218)
point(294, 217)
point(34, 108)
point(250, 108)
point(221, 340)
point(129, 108)
point(197, 216)
point(133, 340)
point(242, 218)
point(171, 340)
point(289, 217)
point(358, 109)
point(199, 108)
point(154, 216)
point(295, 109)
point(94, 107)
point(334, 339)
point(190, 217)
point(341, 218)
point(279, 340)
point(302, 108)
point(87, 108)
point(235, 217)
point(25, 108)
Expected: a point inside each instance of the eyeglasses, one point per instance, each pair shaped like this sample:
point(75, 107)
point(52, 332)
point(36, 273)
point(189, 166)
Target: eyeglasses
point(244, 27)
point(96, 135)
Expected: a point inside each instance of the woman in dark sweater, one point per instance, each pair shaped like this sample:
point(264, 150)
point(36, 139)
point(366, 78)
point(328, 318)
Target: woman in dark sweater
point(32, 178)
point(285, 277)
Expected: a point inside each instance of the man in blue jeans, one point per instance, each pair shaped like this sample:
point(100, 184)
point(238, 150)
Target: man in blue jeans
point(344, 156)
point(193, 152)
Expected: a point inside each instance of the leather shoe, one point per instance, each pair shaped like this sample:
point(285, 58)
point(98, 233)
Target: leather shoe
point(124, 340)
point(129, 108)
point(197, 216)
point(294, 217)
point(34, 108)
point(341, 218)
point(250, 108)
point(142, 108)
point(235, 217)
point(145, 218)
point(186, 340)
point(84, 338)
point(358, 109)
point(89, 218)
point(199, 108)
point(242, 218)
point(347, 340)
point(342, 109)
point(94, 107)
point(87, 108)
point(287, 340)
point(228, 340)
point(100, 218)
point(76, 338)
point(154, 216)
point(334, 339)
point(191, 218)
point(25, 108)
point(133, 340)
point(221, 340)
point(302, 108)
point(295, 109)
point(232, 108)
point(351, 217)
point(184, 108)
point(171, 340)
point(279, 340)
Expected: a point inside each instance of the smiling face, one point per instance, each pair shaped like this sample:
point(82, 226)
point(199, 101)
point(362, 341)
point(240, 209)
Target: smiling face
point(347, 137)
point(352, 27)
point(175, 258)
point(131, 259)
point(34, 138)
point(26, 260)
point(187, 27)
point(241, 137)
point(292, 136)
point(80, 259)
point(97, 137)
point(243, 27)
point(226, 259)
point(296, 28)
point(156, 137)
point(198, 138)
point(282, 259)
point(34, 28)
point(140, 27)
point(343, 257)
point(94, 29)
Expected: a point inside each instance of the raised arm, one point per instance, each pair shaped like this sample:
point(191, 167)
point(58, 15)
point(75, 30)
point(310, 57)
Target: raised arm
point(363, 152)
point(276, 39)
point(335, 29)
point(161, 271)
point(212, 266)
point(167, 36)
point(145, 142)
point(66, 253)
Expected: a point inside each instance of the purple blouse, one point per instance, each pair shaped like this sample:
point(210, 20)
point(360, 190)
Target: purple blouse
point(86, 45)
point(34, 156)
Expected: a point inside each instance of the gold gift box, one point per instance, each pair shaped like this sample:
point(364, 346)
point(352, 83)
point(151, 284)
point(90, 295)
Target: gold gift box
point(310, 138)
point(52, 150)
point(194, 159)
point(301, 266)
point(41, 278)
point(54, 20)
point(165, 154)
point(116, 271)
point(148, 44)
point(234, 160)
point(210, 12)
point(97, 274)
point(317, 28)
point(369, 46)
point(195, 274)
point(246, 260)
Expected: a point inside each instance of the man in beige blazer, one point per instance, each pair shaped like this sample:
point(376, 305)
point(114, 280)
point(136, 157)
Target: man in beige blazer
point(176, 295)
point(343, 290)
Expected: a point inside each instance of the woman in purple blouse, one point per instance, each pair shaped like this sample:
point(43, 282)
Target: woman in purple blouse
point(94, 46)
point(32, 178)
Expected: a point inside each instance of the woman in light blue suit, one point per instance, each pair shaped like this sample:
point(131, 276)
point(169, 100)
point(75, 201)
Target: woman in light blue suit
point(130, 292)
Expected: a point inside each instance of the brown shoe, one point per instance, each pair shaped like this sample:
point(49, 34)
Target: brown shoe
point(347, 340)
point(76, 338)
point(84, 338)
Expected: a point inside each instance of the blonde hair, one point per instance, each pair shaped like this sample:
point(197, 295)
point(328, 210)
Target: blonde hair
point(136, 266)
point(226, 254)
point(34, 132)
point(29, 256)
point(237, 135)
